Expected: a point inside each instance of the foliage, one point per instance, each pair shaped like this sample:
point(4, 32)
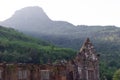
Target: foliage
point(106, 72)
point(106, 40)
point(116, 75)
point(17, 47)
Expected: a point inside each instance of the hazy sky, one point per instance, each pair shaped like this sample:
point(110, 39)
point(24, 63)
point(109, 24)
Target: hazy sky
point(82, 12)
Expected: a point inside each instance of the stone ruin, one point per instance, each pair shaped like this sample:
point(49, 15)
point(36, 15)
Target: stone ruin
point(85, 66)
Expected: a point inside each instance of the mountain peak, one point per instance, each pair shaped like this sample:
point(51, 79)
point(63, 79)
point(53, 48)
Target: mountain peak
point(26, 17)
point(31, 11)
point(34, 19)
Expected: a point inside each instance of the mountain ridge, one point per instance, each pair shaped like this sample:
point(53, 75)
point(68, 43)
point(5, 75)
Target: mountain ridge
point(16, 47)
point(106, 39)
point(34, 19)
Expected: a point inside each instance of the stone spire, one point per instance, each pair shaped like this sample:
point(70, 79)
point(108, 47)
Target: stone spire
point(87, 44)
point(88, 51)
point(87, 61)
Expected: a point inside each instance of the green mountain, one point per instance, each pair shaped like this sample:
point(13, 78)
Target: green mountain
point(33, 21)
point(106, 39)
point(17, 47)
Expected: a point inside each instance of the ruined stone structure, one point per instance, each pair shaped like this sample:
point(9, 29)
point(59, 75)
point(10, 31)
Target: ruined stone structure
point(85, 66)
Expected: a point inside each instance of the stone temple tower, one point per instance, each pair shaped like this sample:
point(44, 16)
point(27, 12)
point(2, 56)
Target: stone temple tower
point(86, 63)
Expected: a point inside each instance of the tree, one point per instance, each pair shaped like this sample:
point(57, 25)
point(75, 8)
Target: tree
point(116, 75)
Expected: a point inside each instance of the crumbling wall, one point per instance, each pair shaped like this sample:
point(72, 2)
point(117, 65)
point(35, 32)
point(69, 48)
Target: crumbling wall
point(32, 72)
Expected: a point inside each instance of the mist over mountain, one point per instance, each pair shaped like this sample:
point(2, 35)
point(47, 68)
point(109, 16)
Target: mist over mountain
point(34, 19)
point(16, 47)
point(35, 22)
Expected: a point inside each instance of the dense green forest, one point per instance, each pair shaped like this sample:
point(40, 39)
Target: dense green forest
point(106, 40)
point(17, 47)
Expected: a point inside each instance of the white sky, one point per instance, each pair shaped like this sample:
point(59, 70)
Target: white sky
point(78, 12)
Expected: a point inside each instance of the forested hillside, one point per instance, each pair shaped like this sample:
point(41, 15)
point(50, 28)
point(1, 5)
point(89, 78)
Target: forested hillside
point(34, 22)
point(17, 47)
